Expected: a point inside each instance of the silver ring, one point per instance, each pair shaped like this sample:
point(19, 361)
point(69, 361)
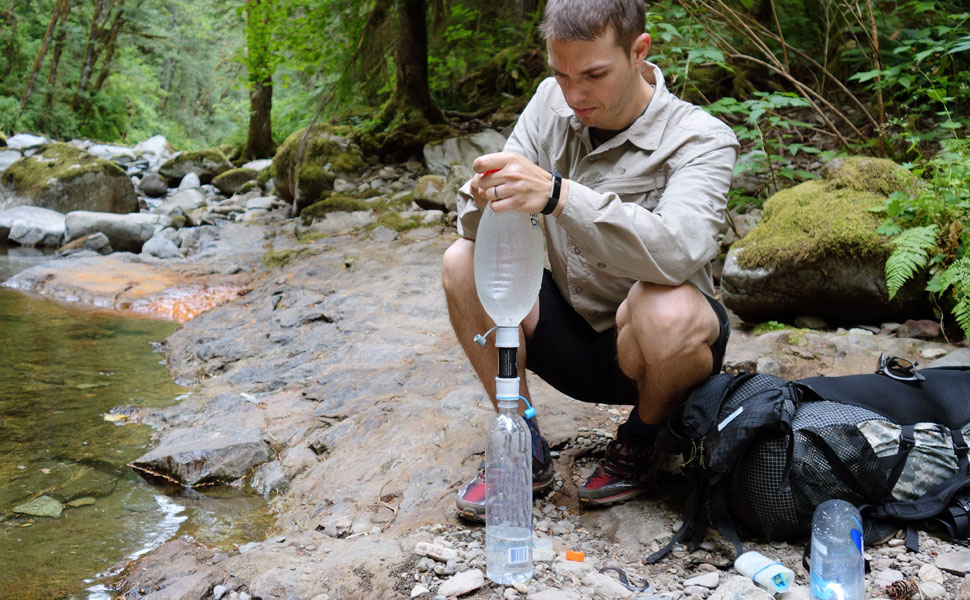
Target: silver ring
point(495, 191)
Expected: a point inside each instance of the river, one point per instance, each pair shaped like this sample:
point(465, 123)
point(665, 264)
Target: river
point(70, 379)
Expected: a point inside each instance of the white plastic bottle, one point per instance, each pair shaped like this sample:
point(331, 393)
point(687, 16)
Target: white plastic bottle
point(508, 495)
point(838, 567)
point(508, 265)
point(765, 572)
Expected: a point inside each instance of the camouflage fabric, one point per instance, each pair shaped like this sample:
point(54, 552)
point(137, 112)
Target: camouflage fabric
point(931, 461)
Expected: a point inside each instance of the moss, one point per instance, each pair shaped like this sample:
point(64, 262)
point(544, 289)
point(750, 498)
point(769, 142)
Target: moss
point(334, 203)
point(55, 160)
point(768, 326)
point(810, 220)
point(206, 163)
point(325, 156)
point(395, 222)
point(797, 338)
point(878, 175)
point(347, 162)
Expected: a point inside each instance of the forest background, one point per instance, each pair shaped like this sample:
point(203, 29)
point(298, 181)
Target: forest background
point(800, 81)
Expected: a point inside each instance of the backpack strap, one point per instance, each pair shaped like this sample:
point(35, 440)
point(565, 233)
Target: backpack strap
point(907, 441)
point(692, 528)
point(960, 448)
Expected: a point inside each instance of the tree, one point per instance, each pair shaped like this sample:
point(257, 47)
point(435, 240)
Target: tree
point(412, 94)
point(59, 13)
point(261, 59)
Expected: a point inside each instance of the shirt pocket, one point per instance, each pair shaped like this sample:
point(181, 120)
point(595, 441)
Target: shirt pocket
point(643, 190)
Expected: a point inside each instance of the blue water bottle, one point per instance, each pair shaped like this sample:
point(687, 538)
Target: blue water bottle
point(838, 567)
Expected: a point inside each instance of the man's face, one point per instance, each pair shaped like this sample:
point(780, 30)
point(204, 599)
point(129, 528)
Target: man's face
point(600, 80)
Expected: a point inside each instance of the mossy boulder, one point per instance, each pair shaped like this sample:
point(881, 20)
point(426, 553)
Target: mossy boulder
point(232, 180)
point(205, 163)
point(816, 251)
point(331, 204)
point(64, 178)
point(305, 177)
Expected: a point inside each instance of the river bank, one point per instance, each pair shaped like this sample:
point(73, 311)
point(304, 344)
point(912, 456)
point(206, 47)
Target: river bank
point(331, 382)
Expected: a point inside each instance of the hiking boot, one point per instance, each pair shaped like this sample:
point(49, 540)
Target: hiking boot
point(623, 473)
point(470, 503)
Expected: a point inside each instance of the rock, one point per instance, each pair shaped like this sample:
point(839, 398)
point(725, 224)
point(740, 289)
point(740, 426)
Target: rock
point(156, 146)
point(963, 592)
point(206, 163)
point(23, 141)
point(435, 551)
point(462, 583)
point(195, 456)
point(922, 329)
point(605, 586)
point(8, 157)
point(432, 192)
point(33, 226)
point(739, 588)
point(184, 200)
point(816, 252)
point(191, 181)
point(810, 322)
point(233, 179)
point(933, 353)
point(94, 242)
point(930, 573)
point(419, 590)
point(750, 173)
point(160, 246)
point(261, 203)
point(154, 185)
point(44, 506)
point(886, 577)
point(219, 591)
point(79, 502)
point(258, 165)
point(461, 150)
point(932, 590)
point(326, 156)
point(118, 154)
point(708, 580)
point(957, 358)
point(64, 178)
point(957, 562)
point(553, 594)
point(124, 232)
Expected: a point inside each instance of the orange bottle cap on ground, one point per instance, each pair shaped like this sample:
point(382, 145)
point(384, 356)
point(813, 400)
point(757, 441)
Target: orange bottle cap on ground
point(576, 556)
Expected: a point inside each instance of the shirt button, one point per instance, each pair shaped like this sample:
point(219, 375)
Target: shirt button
point(601, 265)
point(579, 290)
point(577, 251)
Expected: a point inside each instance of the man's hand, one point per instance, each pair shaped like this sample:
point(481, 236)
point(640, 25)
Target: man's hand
point(511, 183)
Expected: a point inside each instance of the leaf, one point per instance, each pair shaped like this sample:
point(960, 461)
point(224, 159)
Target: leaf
point(866, 76)
point(910, 255)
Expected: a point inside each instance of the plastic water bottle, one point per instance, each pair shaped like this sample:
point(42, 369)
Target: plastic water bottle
point(768, 574)
point(508, 265)
point(838, 567)
point(508, 495)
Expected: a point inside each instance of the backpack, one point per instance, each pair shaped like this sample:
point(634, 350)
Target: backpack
point(761, 452)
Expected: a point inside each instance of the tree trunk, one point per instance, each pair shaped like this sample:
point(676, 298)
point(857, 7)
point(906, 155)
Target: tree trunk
point(11, 49)
point(60, 13)
point(46, 121)
point(110, 45)
point(259, 141)
point(412, 95)
point(89, 57)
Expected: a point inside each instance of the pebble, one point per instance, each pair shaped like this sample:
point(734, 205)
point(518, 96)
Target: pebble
point(553, 594)
point(419, 590)
point(219, 591)
point(932, 590)
point(435, 551)
point(707, 580)
point(930, 573)
point(462, 583)
point(884, 578)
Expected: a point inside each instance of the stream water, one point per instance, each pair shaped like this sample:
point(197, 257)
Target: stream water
point(62, 371)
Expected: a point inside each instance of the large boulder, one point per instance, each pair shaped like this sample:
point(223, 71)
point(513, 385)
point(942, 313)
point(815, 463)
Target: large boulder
point(32, 226)
point(461, 150)
point(232, 180)
point(816, 251)
point(125, 232)
point(64, 178)
point(205, 163)
point(8, 157)
point(307, 178)
point(25, 141)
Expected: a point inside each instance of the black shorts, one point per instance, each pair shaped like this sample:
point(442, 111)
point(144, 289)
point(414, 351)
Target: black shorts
point(581, 362)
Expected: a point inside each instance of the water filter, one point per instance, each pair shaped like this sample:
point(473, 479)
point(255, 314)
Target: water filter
point(838, 568)
point(768, 574)
point(508, 265)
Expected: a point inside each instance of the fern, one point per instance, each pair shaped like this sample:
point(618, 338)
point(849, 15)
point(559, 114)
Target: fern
point(957, 276)
point(911, 254)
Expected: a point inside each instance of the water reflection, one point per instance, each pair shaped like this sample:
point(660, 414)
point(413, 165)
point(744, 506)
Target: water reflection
point(62, 371)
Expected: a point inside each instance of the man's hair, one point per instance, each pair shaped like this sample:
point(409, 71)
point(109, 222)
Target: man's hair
point(586, 20)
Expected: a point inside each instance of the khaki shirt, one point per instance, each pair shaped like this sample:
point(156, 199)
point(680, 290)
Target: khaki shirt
point(647, 205)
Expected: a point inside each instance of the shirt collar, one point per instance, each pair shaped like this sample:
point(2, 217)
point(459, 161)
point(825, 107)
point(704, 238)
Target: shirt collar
point(647, 129)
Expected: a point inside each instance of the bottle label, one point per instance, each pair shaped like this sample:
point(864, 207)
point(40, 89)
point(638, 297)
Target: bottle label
point(518, 555)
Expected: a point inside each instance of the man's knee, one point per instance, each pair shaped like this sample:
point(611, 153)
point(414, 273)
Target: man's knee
point(458, 266)
point(658, 311)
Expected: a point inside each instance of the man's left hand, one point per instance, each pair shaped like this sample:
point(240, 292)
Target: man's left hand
point(511, 183)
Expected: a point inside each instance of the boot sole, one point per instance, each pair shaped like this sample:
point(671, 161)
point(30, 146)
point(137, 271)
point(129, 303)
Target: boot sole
point(608, 500)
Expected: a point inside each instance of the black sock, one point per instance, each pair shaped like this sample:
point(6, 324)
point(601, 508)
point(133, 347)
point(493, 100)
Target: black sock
point(635, 428)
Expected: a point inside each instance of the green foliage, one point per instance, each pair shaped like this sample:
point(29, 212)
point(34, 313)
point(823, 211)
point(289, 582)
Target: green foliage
point(768, 326)
point(934, 219)
point(909, 256)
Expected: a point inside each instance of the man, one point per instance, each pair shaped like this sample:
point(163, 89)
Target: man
point(626, 315)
